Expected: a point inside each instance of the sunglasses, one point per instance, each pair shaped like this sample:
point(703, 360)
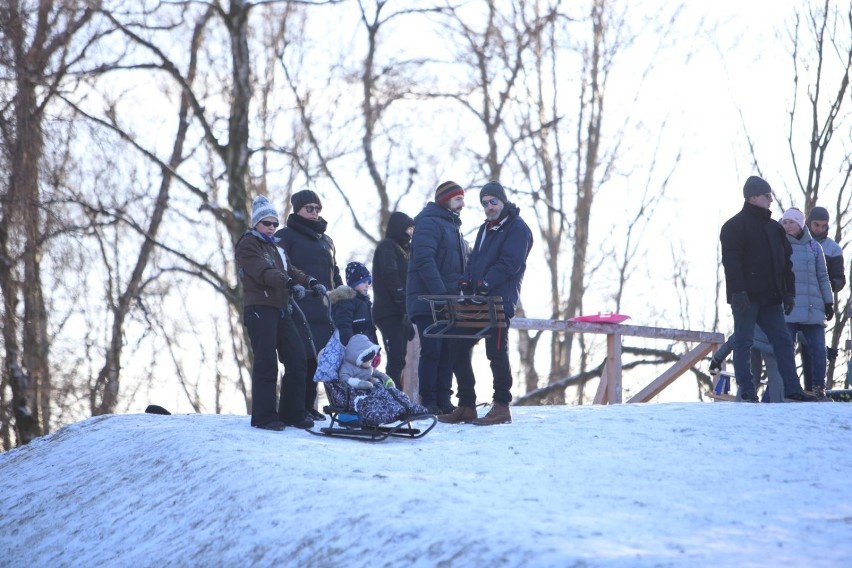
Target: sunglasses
point(269, 223)
point(313, 208)
point(493, 201)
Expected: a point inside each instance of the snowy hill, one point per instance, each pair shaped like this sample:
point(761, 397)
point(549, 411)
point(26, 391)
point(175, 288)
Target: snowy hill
point(632, 485)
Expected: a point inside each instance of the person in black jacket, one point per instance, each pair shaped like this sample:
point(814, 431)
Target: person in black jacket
point(351, 307)
point(390, 268)
point(496, 267)
point(305, 242)
point(759, 281)
point(434, 268)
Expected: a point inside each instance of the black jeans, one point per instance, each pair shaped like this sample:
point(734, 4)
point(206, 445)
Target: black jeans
point(274, 338)
point(395, 342)
point(497, 351)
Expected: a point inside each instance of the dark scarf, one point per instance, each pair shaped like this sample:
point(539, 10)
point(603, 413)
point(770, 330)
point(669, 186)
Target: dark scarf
point(303, 225)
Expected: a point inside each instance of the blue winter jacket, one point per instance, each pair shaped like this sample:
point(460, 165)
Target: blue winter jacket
point(437, 257)
point(499, 258)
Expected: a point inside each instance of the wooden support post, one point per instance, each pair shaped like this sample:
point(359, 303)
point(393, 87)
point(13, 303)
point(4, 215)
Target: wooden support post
point(688, 360)
point(613, 364)
point(600, 394)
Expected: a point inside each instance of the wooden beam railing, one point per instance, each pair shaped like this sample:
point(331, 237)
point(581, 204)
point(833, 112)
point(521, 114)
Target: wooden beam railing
point(609, 389)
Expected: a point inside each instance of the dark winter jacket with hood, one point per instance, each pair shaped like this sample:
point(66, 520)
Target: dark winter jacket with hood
point(390, 268)
point(352, 313)
point(437, 257)
point(499, 257)
point(312, 250)
point(756, 257)
point(263, 271)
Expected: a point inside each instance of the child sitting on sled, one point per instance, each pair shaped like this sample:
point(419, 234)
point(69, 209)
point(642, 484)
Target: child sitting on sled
point(363, 390)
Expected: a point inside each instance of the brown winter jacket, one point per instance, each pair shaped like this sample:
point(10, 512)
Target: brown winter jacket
point(262, 272)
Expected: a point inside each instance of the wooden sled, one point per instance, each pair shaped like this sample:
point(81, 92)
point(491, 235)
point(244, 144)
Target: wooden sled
point(462, 317)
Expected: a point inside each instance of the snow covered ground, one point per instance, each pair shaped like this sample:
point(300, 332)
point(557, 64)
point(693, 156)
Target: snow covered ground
point(685, 484)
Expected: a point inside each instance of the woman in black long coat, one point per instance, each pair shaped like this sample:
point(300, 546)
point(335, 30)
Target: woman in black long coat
point(307, 245)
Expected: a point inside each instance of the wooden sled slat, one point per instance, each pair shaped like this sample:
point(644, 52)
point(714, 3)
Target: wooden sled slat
point(453, 314)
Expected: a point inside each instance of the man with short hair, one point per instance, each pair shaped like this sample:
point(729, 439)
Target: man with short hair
point(817, 222)
point(434, 268)
point(496, 267)
point(759, 280)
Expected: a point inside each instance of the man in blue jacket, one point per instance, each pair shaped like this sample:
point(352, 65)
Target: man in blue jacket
point(760, 287)
point(435, 268)
point(496, 267)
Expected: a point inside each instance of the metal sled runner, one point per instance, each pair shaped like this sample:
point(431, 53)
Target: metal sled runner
point(463, 317)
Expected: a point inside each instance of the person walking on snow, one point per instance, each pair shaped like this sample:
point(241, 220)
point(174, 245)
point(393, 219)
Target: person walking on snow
point(760, 287)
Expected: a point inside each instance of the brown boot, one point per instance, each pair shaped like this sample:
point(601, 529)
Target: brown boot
point(499, 414)
point(819, 393)
point(461, 415)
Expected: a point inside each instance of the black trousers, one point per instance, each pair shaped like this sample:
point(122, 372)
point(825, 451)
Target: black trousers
point(274, 338)
point(395, 342)
point(497, 351)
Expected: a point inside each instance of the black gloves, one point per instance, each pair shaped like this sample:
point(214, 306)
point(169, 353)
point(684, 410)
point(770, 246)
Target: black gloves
point(317, 288)
point(715, 366)
point(740, 301)
point(789, 304)
point(465, 287)
point(829, 311)
point(408, 328)
point(482, 288)
point(297, 291)
point(831, 353)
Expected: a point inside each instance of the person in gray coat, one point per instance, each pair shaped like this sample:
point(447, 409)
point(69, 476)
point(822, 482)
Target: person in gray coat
point(814, 300)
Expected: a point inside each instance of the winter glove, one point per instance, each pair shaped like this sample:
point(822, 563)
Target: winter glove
point(715, 366)
point(359, 384)
point(297, 291)
point(482, 289)
point(408, 327)
point(829, 311)
point(831, 353)
point(465, 287)
point(740, 301)
point(317, 288)
point(789, 304)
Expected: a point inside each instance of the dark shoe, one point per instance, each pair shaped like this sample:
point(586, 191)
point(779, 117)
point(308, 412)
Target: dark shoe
point(275, 425)
point(446, 407)
point(819, 393)
point(316, 415)
point(801, 397)
point(433, 408)
point(460, 415)
point(305, 423)
point(499, 414)
point(748, 397)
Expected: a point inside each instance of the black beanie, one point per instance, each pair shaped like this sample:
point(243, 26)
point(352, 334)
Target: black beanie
point(755, 186)
point(818, 214)
point(302, 198)
point(493, 188)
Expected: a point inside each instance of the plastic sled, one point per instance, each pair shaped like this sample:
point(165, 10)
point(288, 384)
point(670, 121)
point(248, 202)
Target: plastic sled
point(601, 318)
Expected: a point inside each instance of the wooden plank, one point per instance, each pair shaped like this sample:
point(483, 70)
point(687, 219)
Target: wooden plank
point(628, 330)
point(600, 394)
point(613, 367)
point(688, 360)
point(478, 324)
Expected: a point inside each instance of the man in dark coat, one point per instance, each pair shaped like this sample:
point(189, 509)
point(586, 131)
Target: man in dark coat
point(760, 287)
point(390, 270)
point(306, 244)
point(496, 267)
point(435, 267)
